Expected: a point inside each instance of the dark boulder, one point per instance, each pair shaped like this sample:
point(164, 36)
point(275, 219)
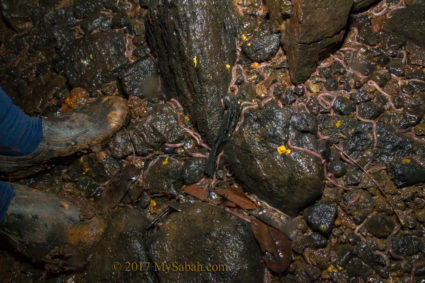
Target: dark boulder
point(360, 5)
point(408, 24)
point(321, 216)
point(141, 78)
point(200, 235)
point(289, 181)
point(122, 245)
point(314, 30)
point(154, 129)
point(91, 61)
point(194, 41)
point(164, 176)
point(261, 47)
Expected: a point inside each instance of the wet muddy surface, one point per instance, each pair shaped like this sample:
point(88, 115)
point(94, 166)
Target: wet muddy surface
point(226, 160)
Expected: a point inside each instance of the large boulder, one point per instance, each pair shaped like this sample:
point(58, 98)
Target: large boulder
point(91, 60)
point(121, 254)
point(201, 237)
point(316, 27)
point(408, 24)
point(194, 41)
point(289, 181)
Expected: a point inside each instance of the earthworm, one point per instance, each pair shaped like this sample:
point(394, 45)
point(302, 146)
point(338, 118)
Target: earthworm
point(254, 106)
point(415, 266)
point(219, 156)
point(373, 122)
point(271, 88)
point(321, 98)
point(356, 199)
point(378, 88)
point(195, 154)
point(174, 145)
point(291, 146)
point(321, 137)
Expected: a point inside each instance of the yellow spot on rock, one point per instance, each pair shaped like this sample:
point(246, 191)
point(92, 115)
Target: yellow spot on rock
point(243, 37)
point(282, 149)
point(248, 44)
point(91, 56)
point(405, 160)
point(333, 268)
point(255, 65)
point(187, 118)
point(165, 162)
point(338, 124)
point(195, 61)
point(64, 204)
point(152, 203)
point(228, 66)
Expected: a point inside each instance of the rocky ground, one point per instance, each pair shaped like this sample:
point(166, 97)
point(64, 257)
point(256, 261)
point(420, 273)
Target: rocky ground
point(234, 107)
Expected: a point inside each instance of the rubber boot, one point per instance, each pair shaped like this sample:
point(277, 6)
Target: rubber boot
point(76, 130)
point(47, 229)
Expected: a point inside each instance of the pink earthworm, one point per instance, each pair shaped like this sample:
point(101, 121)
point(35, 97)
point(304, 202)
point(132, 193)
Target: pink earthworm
point(243, 115)
point(271, 88)
point(219, 156)
point(174, 145)
point(378, 88)
point(321, 137)
point(195, 154)
point(373, 122)
point(356, 199)
point(293, 147)
point(415, 266)
point(321, 98)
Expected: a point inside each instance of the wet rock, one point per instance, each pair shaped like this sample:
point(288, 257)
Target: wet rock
point(304, 122)
point(359, 5)
point(357, 268)
point(120, 145)
point(91, 60)
point(193, 50)
point(164, 176)
point(343, 106)
point(261, 47)
point(155, 128)
point(369, 110)
point(141, 78)
point(287, 181)
point(218, 238)
point(321, 216)
point(123, 241)
point(279, 10)
point(395, 67)
point(406, 245)
point(314, 240)
point(420, 215)
point(18, 14)
point(193, 170)
point(416, 54)
point(331, 84)
point(361, 208)
point(288, 97)
point(365, 253)
point(380, 225)
point(407, 173)
point(408, 24)
point(353, 176)
point(314, 30)
point(337, 168)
